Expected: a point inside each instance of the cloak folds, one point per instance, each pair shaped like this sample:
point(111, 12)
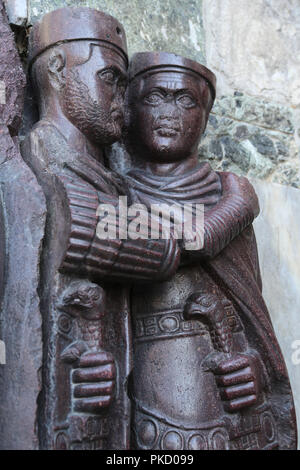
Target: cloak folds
point(234, 268)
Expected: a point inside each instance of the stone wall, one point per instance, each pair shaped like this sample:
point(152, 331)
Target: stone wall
point(253, 47)
point(165, 25)
point(278, 233)
point(252, 137)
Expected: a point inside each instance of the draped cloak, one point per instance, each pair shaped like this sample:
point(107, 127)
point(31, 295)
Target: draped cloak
point(236, 272)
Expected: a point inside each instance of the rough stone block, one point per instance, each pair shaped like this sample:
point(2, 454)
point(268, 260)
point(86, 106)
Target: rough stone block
point(150, 25)
point(17, 11)
point(278, 236)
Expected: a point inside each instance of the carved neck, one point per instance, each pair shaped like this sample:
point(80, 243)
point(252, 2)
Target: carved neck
point(170, 169)
point(74, 137)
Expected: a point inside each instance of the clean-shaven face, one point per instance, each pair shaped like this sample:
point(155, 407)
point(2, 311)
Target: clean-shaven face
point(167, 115)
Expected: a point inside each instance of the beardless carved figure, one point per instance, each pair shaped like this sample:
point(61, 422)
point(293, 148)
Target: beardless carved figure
point(208, 372)
point(78, 64)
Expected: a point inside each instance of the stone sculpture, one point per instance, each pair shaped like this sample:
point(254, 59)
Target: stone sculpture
point(78, 62)
point(208, 372)
point(202, 368)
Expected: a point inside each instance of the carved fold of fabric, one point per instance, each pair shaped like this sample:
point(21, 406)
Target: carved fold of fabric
point(126, 260)
point(147, 260)
point(111, 259)
point(231, 216)
point(83, 203)
point(200, 186)
point(225, 217)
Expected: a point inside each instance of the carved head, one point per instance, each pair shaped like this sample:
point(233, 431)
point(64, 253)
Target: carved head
point(169, 100)
point(78, 60)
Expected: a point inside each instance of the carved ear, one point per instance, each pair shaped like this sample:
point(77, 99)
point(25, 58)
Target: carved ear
point(56, 66)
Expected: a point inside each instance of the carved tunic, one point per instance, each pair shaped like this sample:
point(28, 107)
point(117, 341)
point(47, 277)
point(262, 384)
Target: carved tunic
point(73, 306)
point(176, 400)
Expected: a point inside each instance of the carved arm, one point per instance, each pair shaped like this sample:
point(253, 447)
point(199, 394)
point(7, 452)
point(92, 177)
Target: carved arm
point(111, 259)
point(235, 211)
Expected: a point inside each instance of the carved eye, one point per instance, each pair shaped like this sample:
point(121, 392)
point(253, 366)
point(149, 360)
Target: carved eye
point(154, 98)
point(108, 76)
point(186, 101)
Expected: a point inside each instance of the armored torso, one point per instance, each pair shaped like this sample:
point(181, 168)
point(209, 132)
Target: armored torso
point(172, 385)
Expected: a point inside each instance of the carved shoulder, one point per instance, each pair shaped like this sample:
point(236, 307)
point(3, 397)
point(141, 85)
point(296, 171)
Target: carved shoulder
point(44, 149)
point(238, 187)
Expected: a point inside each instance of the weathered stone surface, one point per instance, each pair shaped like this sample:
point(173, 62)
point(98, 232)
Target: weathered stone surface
point(253, 45)
point(12, 78)
point(252, 137)
point(20, 319)
point(256, 111)
point(278, 236)
point(17, 11)
point(166, 26)
point(22, 219)
point(253, 48)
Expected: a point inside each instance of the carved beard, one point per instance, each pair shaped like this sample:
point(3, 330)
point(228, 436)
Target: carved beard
point(86, 114)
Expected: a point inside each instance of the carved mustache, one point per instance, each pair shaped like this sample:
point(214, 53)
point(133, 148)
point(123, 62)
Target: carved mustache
point(170, 124)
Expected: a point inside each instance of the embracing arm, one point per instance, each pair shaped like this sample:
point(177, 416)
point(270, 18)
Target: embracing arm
point(235, 211)
point(111, 259)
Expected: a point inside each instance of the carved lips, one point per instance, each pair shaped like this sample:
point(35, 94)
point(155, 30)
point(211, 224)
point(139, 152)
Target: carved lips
point(167, 128)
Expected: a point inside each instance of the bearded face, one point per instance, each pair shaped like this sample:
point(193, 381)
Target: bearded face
point(93, 95)
point(100, 122)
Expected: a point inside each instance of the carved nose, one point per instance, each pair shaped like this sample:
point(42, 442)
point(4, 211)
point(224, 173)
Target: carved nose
point(169, 111)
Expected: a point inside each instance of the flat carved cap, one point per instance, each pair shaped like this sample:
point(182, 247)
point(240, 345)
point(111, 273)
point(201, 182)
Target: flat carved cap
point(74, 24)
point(143, 62)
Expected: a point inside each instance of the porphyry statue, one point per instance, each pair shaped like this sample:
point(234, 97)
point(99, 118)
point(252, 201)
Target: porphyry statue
point(78, 66)
point(148, 341)
point(208, 371)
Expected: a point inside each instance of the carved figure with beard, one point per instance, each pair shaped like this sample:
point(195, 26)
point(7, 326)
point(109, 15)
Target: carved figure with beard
point(102, 126)
point(78, 64)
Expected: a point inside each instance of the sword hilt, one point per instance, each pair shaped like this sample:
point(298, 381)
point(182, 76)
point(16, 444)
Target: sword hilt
point(209, 309)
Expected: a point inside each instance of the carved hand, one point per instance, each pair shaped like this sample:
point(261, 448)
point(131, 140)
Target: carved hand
point(94, 381)
point(239, 382)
